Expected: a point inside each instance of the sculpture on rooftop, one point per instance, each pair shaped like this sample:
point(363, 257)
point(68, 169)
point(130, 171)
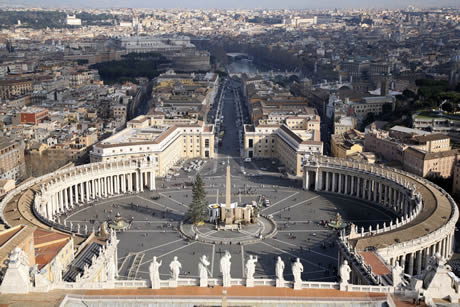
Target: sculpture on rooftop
point(344, 273)
point(154, 272)
point(225, 268)
point(203, 270)
point(297, 270)
point(175, 267)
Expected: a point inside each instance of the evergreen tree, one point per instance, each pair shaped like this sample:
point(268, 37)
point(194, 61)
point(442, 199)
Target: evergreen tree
point(198, 210)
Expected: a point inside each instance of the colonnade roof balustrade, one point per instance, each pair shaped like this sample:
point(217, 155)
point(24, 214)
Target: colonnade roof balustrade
point(438, 208)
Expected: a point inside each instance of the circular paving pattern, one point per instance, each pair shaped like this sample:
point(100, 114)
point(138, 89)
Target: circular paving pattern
point(299, 216)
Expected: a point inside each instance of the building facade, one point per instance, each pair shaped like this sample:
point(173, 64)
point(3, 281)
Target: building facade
point(165, 141)
point(12, 163)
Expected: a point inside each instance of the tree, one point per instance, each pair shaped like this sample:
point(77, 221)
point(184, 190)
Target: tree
point(198, 210)
point(447, 107)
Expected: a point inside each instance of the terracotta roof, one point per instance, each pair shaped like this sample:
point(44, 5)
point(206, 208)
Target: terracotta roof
point(43, 236)
point(44, 254)
point(378, 267)
point(9, 233)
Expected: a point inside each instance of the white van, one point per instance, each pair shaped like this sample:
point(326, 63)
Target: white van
point(247, 160)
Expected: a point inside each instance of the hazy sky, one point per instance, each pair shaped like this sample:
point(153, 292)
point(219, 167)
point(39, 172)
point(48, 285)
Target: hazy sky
point(296, 4)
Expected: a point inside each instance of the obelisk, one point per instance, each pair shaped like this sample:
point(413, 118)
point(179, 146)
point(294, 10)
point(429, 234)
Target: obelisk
point(228, 188)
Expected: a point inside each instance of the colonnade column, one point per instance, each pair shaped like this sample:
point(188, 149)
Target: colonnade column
point(339, 186)
point(346, 185)
point(327, 181)
point(66, 199)
point(352, 190)
point(71, 196)
point(369, 193)
point(419, 262)
point(87, 191)
point(333, 182)
point(358, 187)
point(410, 269)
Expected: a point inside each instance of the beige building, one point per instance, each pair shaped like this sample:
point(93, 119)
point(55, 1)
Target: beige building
point(343, 123)
point(388, 148)
point(12, 164)
point(371, 105)
point(456, 179)
point(6, 185)
point(283, 143)
point(13, 88)
point(434, 164)
point(165, 141)
point(347, 144)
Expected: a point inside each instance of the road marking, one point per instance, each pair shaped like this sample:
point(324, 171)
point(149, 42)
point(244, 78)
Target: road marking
point(305, 230)
point(152, 248)
point(165, 254)
point(293, 206)
point(99, 203)
point(293, 255)
point(149, 230)
point(177, 202)
point(285, 198)
point(158, 204)
point(309, 250)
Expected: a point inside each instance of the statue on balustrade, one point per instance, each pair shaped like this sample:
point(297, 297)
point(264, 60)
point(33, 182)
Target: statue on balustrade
point(225, 267)
point(203, 270)
point(175, 267)
point(345, 272)
point(398, 275)
point(154, 271)
point(251, 267)
point(297, 270)
point(279, 270)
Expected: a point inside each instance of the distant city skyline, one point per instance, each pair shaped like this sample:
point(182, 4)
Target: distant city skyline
point(236, 4)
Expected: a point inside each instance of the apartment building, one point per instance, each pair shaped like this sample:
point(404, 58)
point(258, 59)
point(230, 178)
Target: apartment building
point(12, 164)
point(371, 105)
point(14, 88)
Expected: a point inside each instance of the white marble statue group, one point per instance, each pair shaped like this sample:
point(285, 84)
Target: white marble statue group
point(225, 269)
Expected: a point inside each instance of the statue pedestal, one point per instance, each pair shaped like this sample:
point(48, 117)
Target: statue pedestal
point(227, 283)
point(203, 283)
point(173, 283)
point(280, 283)
point(155, 284)
point(250, 283)
point(343, 286)
point(297, 285)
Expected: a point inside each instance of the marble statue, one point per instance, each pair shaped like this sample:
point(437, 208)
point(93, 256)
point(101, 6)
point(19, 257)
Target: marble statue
point(225, 267)
point(297, 269)
point(344, 273)
point(251, 267)
point(154, 272)
point(279, 270)
point(203, 270)
point(56, 270)
point(16, 278)
point(175, 267)
point(398, 274)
